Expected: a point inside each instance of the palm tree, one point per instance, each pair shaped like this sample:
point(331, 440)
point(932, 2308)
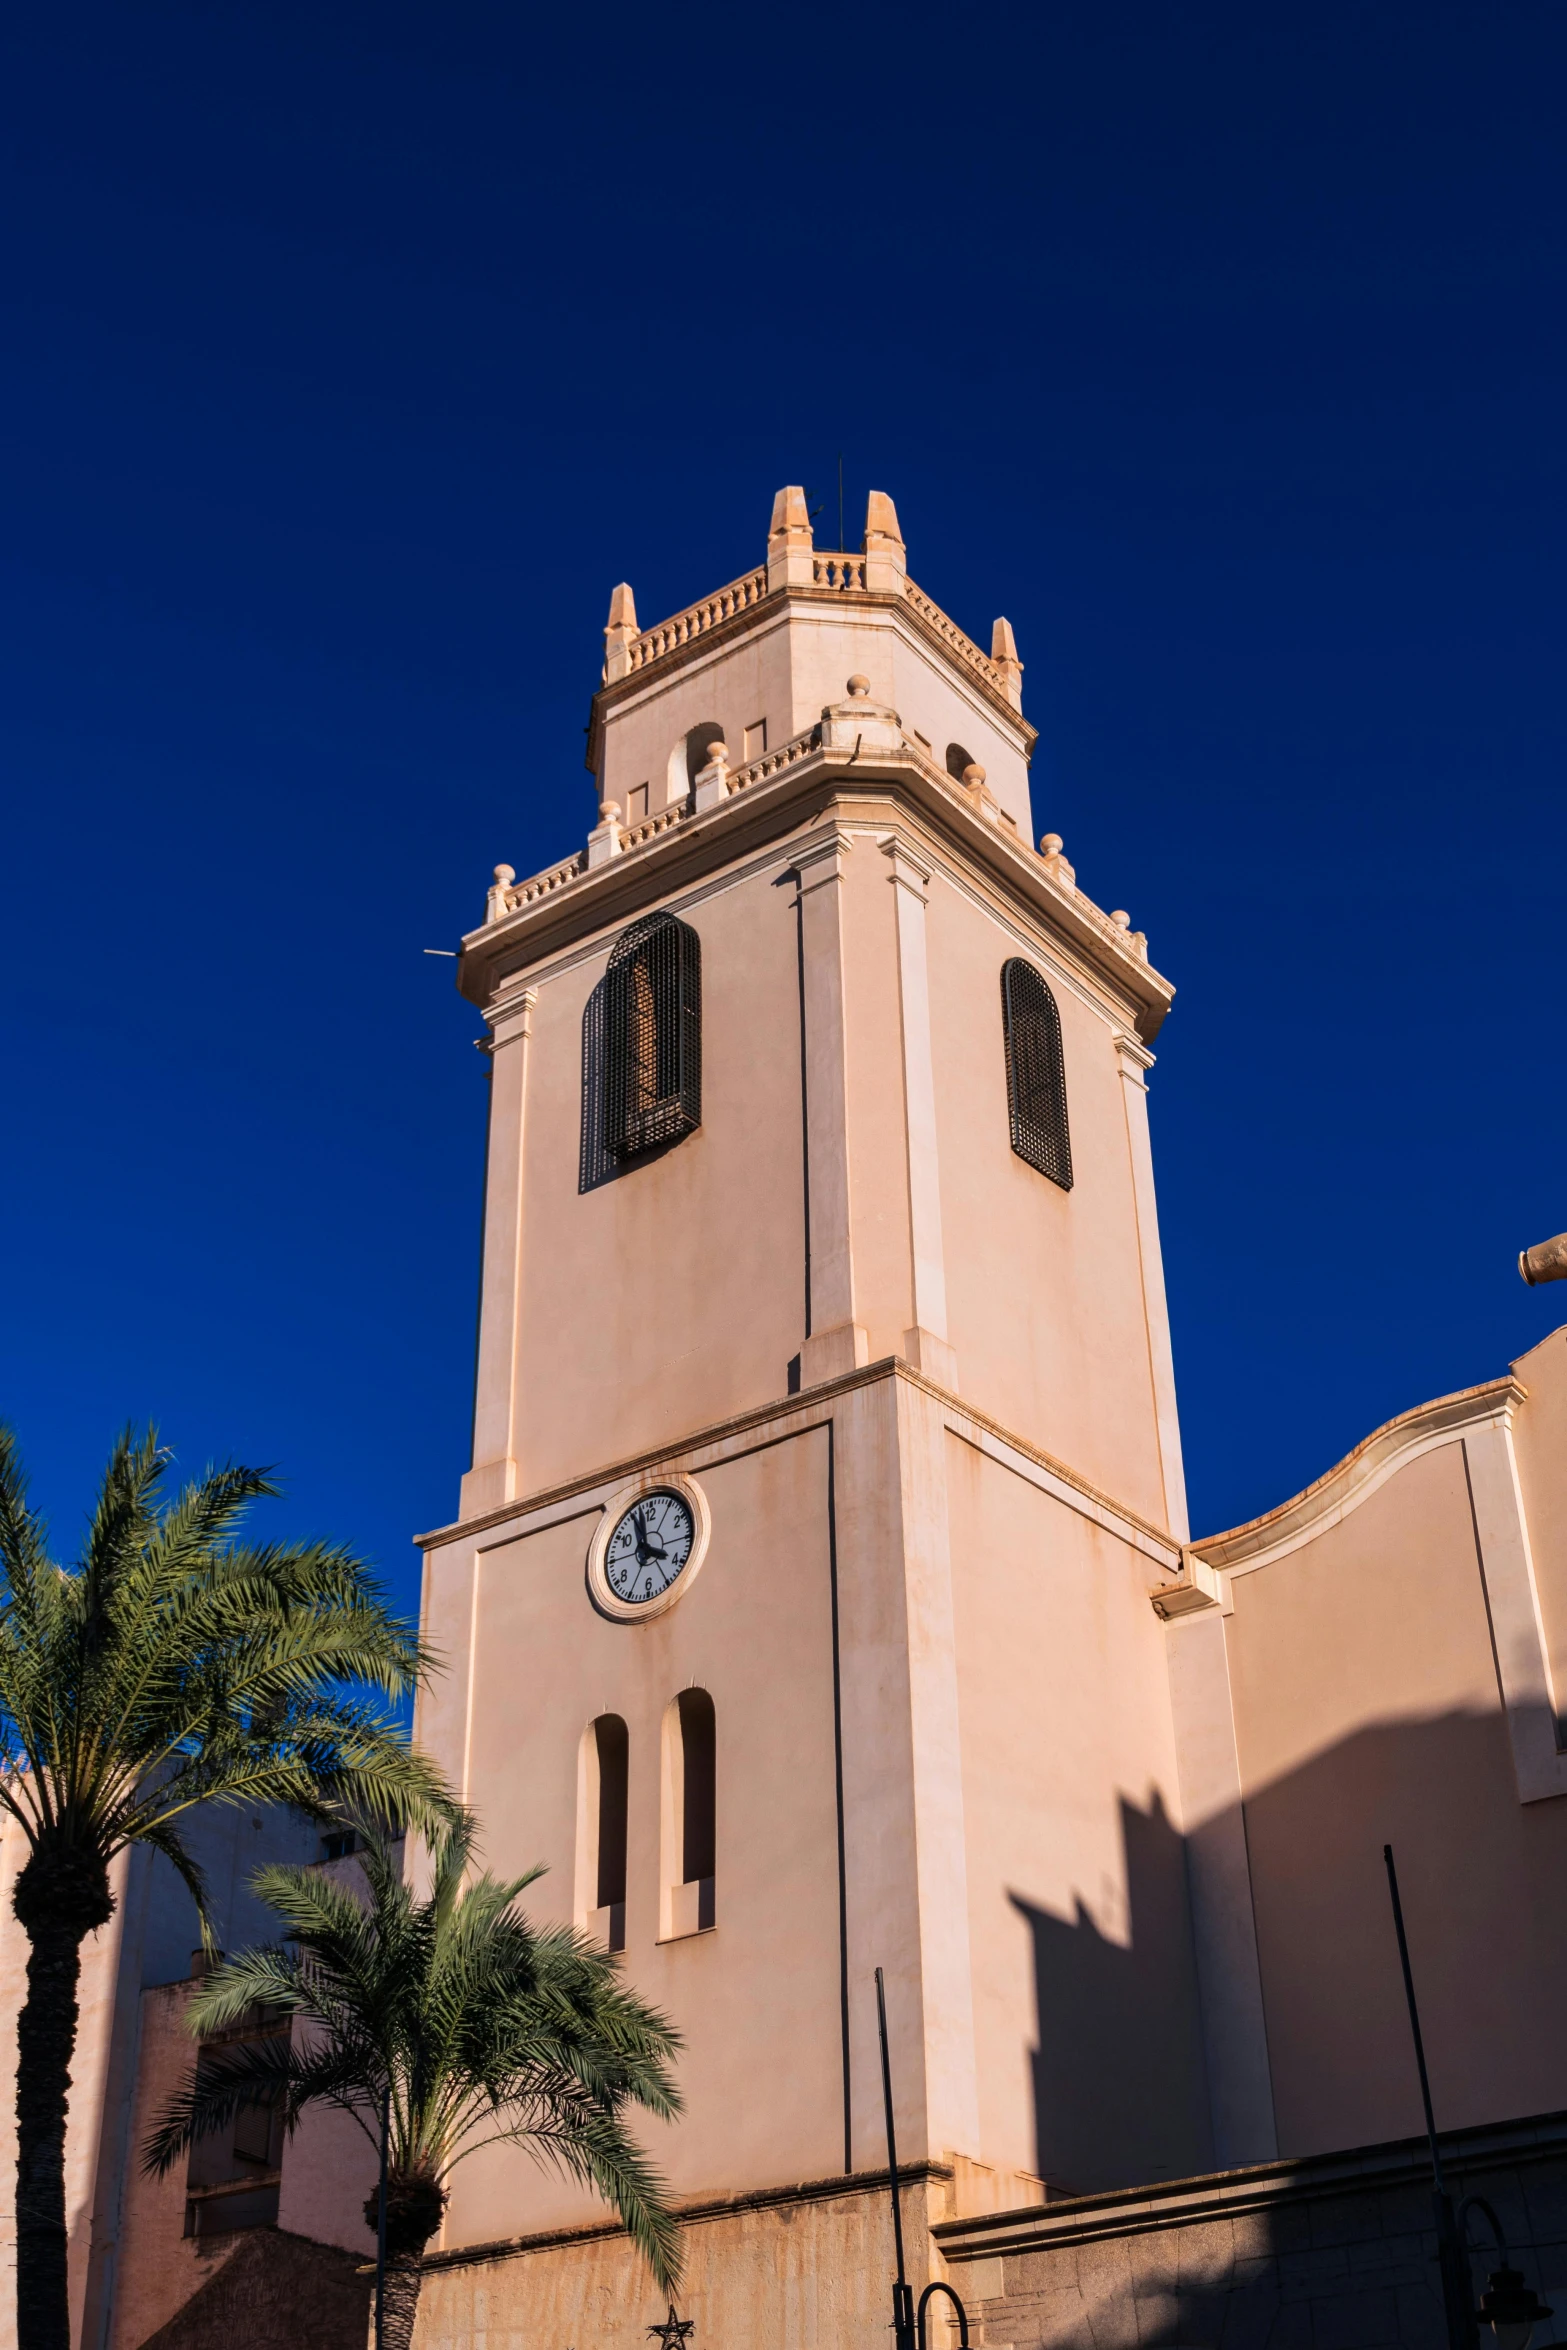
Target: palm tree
point(171, 1666)
point(458, 2020)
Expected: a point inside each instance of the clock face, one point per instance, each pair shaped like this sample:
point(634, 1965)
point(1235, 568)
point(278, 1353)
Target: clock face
point(649, 1548)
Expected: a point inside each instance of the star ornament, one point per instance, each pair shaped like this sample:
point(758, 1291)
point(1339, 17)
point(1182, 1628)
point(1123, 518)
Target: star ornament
point(674, 2330)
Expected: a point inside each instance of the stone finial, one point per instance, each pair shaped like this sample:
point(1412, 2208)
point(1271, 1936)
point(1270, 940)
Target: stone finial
point(886, 566)
point(860, 725)
point(789, 558)
point(1003, 653)
point(620, 633)
point(495, 903)
point(881, 519)
point(974, 775)
point(790, 518)
point(1055, 863)
point(1121, 918)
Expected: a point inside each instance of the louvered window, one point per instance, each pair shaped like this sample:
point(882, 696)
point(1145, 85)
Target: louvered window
point(1036, 1074)
point(651, 1066)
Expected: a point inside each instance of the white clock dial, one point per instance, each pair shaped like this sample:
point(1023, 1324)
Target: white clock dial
point(649, 1547)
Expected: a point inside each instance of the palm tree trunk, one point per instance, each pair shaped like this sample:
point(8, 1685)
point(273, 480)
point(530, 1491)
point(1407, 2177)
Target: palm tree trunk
point(404, 2277)
point(58, 1902)
point(415, 2203)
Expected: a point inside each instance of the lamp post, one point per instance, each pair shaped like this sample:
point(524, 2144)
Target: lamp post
point(1508, 2306)
point(908, 2323)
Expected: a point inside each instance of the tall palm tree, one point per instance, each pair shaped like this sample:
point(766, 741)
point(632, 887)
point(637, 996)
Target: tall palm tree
point(171, 1666)
point(459, 2020)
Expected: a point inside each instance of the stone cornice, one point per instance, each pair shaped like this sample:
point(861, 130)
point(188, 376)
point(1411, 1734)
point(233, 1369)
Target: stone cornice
point(603, 896)
point(711, 2207)
point(1357, 1476)
point(1177, 2203)
point(805, 1412)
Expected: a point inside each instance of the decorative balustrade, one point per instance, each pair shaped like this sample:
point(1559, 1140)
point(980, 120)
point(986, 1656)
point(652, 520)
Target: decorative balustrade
point(840, 573)
point(635, 835)
point(773, 762)
point(527, 893)
point(948, 630)
point(509, 898)
point(696, 620)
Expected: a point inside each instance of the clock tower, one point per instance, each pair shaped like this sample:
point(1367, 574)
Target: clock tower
point(797, 1612)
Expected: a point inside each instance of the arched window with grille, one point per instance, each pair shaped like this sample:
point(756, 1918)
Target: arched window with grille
point(642, 1048)
point(1036, 1072)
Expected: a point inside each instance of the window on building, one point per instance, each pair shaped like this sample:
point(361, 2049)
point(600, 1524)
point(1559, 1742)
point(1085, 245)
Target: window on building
point(690, 1813)
point(958, 759)
point(636, 804)
point(233, 2173)
point(755, 739)
point(1036, 1073)
point(642, 1047)
point(339, 1844)
point(605, 1784)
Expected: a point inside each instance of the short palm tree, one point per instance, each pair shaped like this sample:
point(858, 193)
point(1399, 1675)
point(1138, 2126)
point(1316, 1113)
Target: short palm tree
point(460, 2020)
point(172, 1665)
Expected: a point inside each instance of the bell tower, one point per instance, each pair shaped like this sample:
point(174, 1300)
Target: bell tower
point(797, 1613)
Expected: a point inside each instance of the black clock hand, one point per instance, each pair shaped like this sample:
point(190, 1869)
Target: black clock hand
point(647, 1548)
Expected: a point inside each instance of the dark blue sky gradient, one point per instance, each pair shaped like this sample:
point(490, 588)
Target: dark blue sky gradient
point(351, 356)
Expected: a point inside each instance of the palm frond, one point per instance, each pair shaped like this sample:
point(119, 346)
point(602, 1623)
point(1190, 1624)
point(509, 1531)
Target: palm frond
point(176, 1665)
point(253, 2072)
point(479, 2026)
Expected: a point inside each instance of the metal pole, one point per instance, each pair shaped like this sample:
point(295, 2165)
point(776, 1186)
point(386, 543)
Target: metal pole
point(380, 2218)
point(902, 2298)
point(1461, 2332)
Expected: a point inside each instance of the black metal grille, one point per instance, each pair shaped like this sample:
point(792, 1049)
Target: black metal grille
point(1036, 1074)
point(642, 1048)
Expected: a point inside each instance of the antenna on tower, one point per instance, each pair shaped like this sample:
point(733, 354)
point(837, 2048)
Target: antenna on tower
point(840, 498)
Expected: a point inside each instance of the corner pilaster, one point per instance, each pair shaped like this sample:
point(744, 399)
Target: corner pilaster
point(1135, 1058)
point(925, 1344)
point(936, 1767)
point(1218, 1874)
point(837, 1342)
point(495, 1476)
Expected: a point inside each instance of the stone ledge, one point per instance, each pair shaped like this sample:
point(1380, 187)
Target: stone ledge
point(850, 2183)
point(1221, 2195)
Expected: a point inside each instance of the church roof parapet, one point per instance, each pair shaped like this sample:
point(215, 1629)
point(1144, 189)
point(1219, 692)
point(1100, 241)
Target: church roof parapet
point(795, 566)
point(832, 574)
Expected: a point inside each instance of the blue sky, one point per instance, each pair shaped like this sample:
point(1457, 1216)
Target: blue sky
point(352, 355)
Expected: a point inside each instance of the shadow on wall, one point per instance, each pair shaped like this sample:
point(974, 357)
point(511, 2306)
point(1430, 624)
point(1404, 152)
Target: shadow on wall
point(1120, 2094)
point(1119, 2077)
point(1335, 2246)
point(1483, 1880)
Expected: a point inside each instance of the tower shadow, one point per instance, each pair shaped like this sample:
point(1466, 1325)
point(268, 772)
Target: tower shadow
point(1120, 2093)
